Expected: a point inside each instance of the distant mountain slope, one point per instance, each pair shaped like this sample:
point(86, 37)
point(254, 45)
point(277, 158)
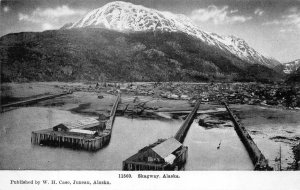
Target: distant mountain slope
point(288, 68)
point(96, 54)
point(294, 77)
point(127, 17)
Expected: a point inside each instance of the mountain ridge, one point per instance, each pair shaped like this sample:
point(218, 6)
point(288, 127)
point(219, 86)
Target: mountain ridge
point(95, 53)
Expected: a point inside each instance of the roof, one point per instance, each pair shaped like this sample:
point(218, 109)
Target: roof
point(167, 147)
point(83, 131)
point(84, 123)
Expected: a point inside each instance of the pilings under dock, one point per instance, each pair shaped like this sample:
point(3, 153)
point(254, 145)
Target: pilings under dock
point(59, 139)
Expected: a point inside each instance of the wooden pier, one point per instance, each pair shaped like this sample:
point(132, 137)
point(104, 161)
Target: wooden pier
point(32, 101)
point(48, 137)
point(165, 154)
point(181, 133)
point(258, 159)
point(112, 115)
point(88, 134)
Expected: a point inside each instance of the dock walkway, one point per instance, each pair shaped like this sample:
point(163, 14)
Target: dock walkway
point(258, 159)
point(112, 115)
point(181, 133)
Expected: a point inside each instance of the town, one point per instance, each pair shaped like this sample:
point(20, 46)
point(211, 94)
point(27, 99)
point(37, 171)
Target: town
point(279, 95)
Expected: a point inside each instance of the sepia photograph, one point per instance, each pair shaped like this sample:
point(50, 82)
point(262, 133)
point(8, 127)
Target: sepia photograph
point(150, 85)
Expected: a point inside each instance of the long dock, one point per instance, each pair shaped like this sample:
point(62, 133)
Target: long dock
point(33, 101)
point(164, 154)
point(89, 134)
point(258, 159)
point(181, 133)
point(112, 115)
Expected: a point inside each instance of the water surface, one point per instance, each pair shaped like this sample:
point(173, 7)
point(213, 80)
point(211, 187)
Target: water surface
point(129, 135)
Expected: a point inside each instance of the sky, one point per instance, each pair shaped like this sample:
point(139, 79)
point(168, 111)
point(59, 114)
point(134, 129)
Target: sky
point(272, 27)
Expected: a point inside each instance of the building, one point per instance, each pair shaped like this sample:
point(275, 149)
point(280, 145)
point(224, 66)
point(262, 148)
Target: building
point(88, 134)
point(81, 126)
point(165, 154)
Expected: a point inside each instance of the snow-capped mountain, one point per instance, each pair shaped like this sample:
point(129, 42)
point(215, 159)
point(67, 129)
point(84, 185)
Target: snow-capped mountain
point(127, 17)
point(291, 66)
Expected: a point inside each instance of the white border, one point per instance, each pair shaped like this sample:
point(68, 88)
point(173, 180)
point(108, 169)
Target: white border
point(231, 180)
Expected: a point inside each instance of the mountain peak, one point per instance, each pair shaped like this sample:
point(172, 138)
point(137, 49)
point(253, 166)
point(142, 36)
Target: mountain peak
point(124, 16)
point(127, 17)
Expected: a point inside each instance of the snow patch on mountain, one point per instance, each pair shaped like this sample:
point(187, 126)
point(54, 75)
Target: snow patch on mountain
point(291, 66)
